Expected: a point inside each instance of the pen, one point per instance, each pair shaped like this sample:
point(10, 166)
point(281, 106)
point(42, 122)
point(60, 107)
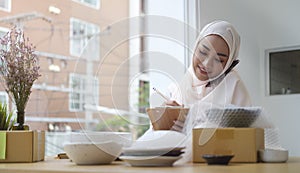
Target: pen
point(161, 94)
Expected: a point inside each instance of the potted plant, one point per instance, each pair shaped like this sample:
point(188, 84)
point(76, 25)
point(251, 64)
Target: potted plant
point(19, 69)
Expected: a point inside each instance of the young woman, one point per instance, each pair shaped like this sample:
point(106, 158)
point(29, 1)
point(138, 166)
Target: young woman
point(210, 82)
point(211, 77)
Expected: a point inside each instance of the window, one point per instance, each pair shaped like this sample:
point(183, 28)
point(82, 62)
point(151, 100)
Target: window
point(283, 70)
point(4, 101)
point(3, 31)
point(80, 34)
point(3, 95)
point(5, 5)
point(90, 3)
point(3, 98)
point(79, 94)
point(143, 96)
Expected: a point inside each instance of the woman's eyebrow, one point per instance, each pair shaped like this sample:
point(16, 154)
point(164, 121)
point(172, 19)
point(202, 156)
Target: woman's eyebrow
point(222, 54)
point(219, 54)
point(206, 47)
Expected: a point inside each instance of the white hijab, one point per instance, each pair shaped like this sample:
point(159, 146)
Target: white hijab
point(191, 89)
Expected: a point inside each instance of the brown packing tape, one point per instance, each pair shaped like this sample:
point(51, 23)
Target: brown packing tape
point(38, 145)
point(34, 145)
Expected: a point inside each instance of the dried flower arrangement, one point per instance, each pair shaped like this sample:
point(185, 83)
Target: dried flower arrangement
point(19, 69)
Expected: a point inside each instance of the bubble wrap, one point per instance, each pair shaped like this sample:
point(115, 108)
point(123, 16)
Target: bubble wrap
point(206, 115)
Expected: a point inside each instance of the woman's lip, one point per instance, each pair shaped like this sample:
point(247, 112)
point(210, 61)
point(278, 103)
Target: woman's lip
point(202, 70)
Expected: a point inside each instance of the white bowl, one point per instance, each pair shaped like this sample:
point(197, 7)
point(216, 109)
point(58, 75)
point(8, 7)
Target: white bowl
point(123, 138)
point(93, 153)
point(273, 155)
point(160, 139)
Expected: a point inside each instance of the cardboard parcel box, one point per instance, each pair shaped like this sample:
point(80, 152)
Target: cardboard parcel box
point(23, 146)
point(243, 143)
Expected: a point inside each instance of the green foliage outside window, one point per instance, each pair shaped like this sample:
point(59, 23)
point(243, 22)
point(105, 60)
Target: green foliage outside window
point(119, 124)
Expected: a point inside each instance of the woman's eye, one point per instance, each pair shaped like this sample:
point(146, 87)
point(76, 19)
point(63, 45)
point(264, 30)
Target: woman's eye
point(219, 60)
point(203, 53)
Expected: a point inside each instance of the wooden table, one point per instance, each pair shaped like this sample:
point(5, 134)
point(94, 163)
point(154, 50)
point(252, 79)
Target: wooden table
point(51, 165)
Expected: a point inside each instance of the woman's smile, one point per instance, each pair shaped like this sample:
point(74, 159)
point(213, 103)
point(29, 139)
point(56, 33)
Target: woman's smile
point(202, 70)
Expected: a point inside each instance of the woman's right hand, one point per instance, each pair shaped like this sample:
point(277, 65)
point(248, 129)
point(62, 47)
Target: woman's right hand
point(178, 124)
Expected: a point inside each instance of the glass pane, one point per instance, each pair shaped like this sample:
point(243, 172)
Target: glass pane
point(284, 72)
point(143, 96)
point(76, 85)
point(75, 97)
point(4, 4)
point(3, 98)
point(75, 106)
point(2, 33)
point(76, 46)
point(59, 95)
point(92, 2)
point(77, 38)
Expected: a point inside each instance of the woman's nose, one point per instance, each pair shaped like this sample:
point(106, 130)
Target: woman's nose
point(206, 61)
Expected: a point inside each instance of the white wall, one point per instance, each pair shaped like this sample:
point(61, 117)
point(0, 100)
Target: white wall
point(263, 25)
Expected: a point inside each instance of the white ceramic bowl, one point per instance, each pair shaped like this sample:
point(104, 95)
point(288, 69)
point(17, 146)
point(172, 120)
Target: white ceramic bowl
point(93, 153)
point(273, 155)
point(160, 139)
point(123, 138)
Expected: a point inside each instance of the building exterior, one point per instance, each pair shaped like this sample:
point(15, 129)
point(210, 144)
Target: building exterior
point(74, 76)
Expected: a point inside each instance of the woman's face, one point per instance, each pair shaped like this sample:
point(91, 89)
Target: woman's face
point(210, 57)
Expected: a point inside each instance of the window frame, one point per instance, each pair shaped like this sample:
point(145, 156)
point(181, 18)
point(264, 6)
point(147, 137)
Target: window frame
point(268, 68)
point(3, 93)
point(8, 8)
point(83, 41)
point(83, 2)
point(4, 31)
point(81, 92)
